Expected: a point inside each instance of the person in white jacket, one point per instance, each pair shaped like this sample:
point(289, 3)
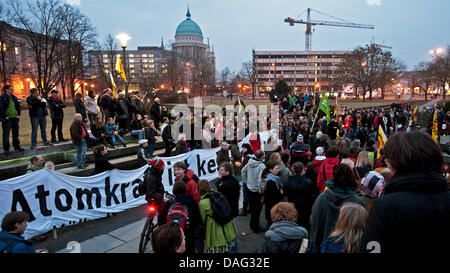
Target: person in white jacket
point(91, 106)
point(251, 176)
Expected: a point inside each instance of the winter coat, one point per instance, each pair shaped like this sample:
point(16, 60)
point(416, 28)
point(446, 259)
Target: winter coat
point(299, 190)
point(142, 157)
point(150, 134)
point(272, 193)
point(32, 168)
point(4, 104)
point(360, 172)
point(324, 214)
point(331, 246)
point(195, 219)
point(108, 103)
point(123, 113)
point(413, 215)
point(283, 237)
point(251, 174)
point(20, 244)
point(218, 238)
point(283, 173)
point(109, 129)
point(102, 164)
point(255, 144)
point(322, 178)
point(318, 161)
point(76, 131)
point(237, 157)
point(190, 179)
point(155, 112)
point(154, 185)
point(181, 148)
point(297, 156)
point(166, 133)
point(80, 108)
point(90, 105)
point(222, 157)
point(56, 107)
point(230, 188)
point(38, 107)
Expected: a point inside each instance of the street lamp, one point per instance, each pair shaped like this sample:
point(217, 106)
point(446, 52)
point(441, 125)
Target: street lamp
point(436, 52)
point(123, 38)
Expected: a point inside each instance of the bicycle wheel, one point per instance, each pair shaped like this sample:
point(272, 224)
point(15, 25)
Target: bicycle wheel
point(146, 236)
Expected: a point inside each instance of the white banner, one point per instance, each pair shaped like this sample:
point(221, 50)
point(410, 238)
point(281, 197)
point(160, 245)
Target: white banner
point(54, 199)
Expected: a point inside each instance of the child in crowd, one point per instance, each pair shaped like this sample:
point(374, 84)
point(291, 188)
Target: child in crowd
point(112, 131)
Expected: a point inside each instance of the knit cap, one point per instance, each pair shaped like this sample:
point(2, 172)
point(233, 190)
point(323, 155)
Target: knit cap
point(156, 163)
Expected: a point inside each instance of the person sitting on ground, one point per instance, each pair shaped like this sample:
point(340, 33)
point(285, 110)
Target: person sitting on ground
point(143, 157)
point(13, 227)
point(112, 132)
point(218, 238)
point(284, 235)
point(168, 238)
point(182, 173)
point(195, 220)
point(348, 231)
point(36, 164)
point(101, 163)
point(137, 128)
point(299, 191)
point(325, 209)
point(229, 186)
point(98, 130)
point(92, 140)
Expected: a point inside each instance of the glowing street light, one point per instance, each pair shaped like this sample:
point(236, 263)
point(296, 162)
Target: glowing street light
point(436, 52)
point(123, 38)
point(363, 64)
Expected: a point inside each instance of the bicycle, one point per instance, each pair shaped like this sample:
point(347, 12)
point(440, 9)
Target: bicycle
point(150, 225)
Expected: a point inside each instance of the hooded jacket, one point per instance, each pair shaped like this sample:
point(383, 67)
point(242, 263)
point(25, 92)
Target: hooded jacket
point(323, 177)
point(230, 188)
point(413, 215)
point(190, 179)
point(222, 157)
point(153, 183)
point(15, 244)
point(283, 237)
point(325, 212)
point(251, 174)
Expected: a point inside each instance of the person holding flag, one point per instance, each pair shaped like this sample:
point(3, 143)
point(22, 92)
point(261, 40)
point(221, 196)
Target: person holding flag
point(325, 107)
point(435, 134)
point(381, 140)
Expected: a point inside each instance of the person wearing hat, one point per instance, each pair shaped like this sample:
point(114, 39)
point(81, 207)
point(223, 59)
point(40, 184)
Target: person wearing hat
point(223, 156)
point(143, 157)
point(56, 106)
point(299, 151)
point(154, 186)
point(319, 159)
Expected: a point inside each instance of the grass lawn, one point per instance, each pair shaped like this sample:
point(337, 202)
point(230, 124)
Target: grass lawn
point(25, 128)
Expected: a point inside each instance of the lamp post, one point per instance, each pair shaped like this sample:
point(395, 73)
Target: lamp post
point(274, 74)
point(436, 52)
point(123, 38)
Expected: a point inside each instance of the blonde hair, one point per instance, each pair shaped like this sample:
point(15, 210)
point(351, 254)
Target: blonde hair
point(277, 158)
point(363, 158)
point(350, 226)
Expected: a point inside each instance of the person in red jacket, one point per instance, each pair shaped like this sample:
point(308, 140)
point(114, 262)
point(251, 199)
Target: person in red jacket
point(182, 173)
point(326, 169)
point(255, 141)
point(319, 159)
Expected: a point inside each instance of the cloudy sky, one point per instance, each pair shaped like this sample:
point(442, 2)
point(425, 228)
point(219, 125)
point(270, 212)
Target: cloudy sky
point(411, 27)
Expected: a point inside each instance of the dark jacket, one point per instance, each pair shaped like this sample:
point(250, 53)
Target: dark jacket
point(272, 193)
point(331, 246)
point(107, 103)
point(230, 188)
point(413, 215)
point(38, 108)
point(11, 243)
point(143, 157)
point(299, 191)
point(150, 134)
point(56, 107)
point(325, 212)
point(166, 134)
point(283, 237)
point(76, 131)
point(80, 108)
point(153, 183)
point(122, 109)
point(4, 104)
point(360, 172)
point(155, 112)
point(102, 164)
point(222, 157)
point(195, 220)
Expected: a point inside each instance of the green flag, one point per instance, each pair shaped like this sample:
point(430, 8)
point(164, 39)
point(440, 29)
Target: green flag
point(325, 107)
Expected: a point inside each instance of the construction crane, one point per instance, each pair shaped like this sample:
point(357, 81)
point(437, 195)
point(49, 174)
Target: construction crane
point(309, 23)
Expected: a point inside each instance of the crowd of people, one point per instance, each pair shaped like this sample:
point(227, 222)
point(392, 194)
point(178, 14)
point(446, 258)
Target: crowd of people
point(326, 188)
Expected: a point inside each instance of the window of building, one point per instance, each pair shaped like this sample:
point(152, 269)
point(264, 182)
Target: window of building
point(144, 60)
point(131, 60)
point(105, 55)
point(131, 71)
point(151, 55)
point(131, 65)
point(16, 50)
point(151, 61)
point(144, 55)
point(106, 66)
point(153, 66)
point(131, 55)
point(105, 60)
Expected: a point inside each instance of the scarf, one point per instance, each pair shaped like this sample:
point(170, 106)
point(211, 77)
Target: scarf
point(271, 177)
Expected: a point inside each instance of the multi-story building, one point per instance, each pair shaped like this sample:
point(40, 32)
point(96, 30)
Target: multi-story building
point(302, 70)
point(18, 65)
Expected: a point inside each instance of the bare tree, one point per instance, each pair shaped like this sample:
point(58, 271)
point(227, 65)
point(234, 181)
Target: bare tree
point(250, 72)
point(441, 70)
point(175, 69)
point(202, 75)
point(425, 77)
point(7, 64)
point(42, 30)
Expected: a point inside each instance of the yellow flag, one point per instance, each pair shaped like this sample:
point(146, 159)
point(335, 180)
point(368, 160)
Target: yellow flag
point(435, 128)
point(381, 140)
point(415, 113)
point(119, 68)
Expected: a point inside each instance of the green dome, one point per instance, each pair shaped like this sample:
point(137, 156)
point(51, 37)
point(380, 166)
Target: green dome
point(188, 27)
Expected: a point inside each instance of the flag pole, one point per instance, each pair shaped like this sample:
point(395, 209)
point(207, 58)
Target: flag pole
point(314, 122)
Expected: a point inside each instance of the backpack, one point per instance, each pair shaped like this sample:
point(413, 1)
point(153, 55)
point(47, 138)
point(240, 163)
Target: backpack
point(178, 213)
point(221, 210)
point(298, 149)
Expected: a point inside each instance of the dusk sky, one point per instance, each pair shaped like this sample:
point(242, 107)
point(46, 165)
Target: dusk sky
point(411, 27)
